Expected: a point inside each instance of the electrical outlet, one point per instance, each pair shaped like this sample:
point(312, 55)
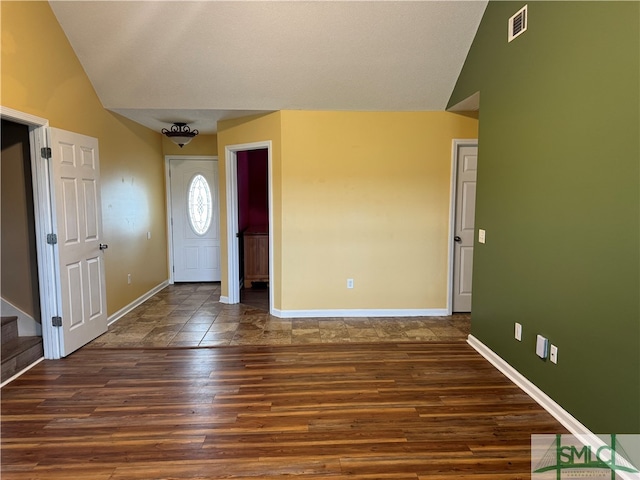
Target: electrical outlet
point(148, 235)
point(482, 236)
point(349, 282)
point(553, 354)
point(128, 278)
point(518, 332)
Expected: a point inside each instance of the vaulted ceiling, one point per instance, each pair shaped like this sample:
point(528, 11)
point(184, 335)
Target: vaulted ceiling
point(157, 61)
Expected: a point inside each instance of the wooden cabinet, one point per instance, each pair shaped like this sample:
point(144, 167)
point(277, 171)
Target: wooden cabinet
point(256, 256)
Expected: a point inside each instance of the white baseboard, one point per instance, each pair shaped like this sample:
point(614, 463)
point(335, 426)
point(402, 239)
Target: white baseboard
point(21, 372)
point(139, 301)
point(27, 325)
point(440, 312)
point(224, 299)
point(545, 401)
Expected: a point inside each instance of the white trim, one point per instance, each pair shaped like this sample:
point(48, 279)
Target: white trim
point(24, 370)
point(456, 144)
point(22, 117)
point(27, 325)
point(43, 213)
point(224, 299)
point(233, 254)
point(358, 312)
point(167, 182)
point(545, 401)
point(139, 301)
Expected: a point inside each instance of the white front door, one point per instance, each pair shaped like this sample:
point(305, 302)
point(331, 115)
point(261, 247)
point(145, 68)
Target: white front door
point(195, 220)
point(75, 175)
point(466, 169)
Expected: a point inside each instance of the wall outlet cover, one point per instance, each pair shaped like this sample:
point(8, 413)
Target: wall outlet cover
point(542, 346)
point(553, 354)
point(518, 332)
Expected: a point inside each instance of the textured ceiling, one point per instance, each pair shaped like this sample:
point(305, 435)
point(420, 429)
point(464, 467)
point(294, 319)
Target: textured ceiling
point(201, 61)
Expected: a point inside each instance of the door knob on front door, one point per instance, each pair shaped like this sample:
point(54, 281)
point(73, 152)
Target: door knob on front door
point(103, 246)
point(457, 238)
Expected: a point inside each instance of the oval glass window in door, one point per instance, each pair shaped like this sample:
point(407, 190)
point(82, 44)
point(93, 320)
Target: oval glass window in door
point(199, 204)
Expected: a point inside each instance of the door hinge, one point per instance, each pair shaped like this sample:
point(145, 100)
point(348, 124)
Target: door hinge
point(56, 321)
point(45, 152)
point(173, 269)
point(52, 238)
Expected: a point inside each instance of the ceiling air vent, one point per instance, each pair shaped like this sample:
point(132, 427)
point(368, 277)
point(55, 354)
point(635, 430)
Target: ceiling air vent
point(518, 23)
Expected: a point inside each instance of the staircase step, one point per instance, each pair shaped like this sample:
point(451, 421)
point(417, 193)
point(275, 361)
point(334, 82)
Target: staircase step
point(9, 329)
point(19, 353)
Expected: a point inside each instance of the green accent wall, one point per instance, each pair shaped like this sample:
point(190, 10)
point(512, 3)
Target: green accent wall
point(558, 194)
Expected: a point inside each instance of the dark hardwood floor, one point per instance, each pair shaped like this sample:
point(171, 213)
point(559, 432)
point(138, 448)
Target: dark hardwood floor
point(362, 411)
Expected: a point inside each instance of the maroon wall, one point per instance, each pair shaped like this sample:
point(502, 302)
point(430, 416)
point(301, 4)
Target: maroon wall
point(253, 195)
point(243, 190)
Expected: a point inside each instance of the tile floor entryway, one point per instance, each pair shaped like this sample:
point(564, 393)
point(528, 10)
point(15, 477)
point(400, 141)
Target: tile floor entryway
point(190, 315)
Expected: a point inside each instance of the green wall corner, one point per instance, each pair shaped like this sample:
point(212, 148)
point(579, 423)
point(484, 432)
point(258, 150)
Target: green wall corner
point(558, 194)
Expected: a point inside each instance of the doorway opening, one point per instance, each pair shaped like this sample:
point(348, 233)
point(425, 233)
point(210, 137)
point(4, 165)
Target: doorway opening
point(253, 227)
point(250, 225)
point(20, 294)
point(42, 217)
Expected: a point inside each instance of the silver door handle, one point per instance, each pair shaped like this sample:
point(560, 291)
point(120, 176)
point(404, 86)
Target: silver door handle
point(103, 246)
point(457, 238)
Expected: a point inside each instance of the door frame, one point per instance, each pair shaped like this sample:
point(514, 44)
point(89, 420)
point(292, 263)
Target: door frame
point(43, 213)
point(233, 250)
point(167, 180)
point(457, 144)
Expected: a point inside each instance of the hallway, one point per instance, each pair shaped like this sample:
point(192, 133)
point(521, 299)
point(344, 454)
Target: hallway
point(190, 315)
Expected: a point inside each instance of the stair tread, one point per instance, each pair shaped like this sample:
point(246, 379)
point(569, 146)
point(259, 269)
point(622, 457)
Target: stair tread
point(16, 346)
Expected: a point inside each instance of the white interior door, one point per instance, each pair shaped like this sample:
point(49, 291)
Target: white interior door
point(195, 220)
point(78, 218)
point(466, 170)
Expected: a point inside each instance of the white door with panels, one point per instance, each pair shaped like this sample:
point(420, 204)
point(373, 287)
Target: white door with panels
point(195, 220)
point(466, 170)
point(75, 181)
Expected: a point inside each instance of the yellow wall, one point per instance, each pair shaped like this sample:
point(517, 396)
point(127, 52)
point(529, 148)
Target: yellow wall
point(256, 128)
point(200, 145)
point(42, 76)
point(365, 195)
point(362, 195)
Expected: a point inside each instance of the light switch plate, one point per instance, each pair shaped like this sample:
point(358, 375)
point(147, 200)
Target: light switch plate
point(542, 346)
point(482, 235)
point(518, 332)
